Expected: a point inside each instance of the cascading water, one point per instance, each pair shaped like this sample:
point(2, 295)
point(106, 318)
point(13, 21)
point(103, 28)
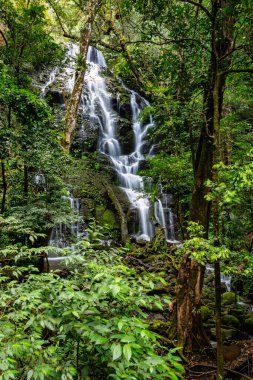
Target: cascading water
point(62, 235)
point(164, 215)
point(96, 105)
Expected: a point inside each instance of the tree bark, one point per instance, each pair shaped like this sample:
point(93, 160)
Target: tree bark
point(190, 332)
point(26, 185)
point(4, 186)
point(191, 274)
point(118, 208)
point(73, 103)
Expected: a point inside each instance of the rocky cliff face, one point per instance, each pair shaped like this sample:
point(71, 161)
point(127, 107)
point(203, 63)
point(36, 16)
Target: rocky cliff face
point(91, 171)
point(108, 149)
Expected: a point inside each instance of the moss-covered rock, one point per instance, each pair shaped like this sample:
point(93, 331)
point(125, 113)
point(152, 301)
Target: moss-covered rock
point(206, 313)
point(230, 320)
point(248, 324)
point(105, 216)
point(227, 334)
point(160, 327)
point(249, 315)
point(229, 298)
point(109, 218)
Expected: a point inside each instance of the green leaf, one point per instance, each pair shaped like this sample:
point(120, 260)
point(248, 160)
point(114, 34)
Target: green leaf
point(117, 352)
point(127, 351)
point(127, 338)
point(76, 314)
point(120, 325)
point(29, 374)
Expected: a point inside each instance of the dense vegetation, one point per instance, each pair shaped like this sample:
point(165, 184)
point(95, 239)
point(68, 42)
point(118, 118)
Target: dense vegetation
point(130, 310)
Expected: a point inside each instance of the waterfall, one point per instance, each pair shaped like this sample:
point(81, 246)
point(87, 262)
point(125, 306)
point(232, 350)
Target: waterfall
point(62, 235)
point(51, 80)
point(165, 217)
point(96, 106)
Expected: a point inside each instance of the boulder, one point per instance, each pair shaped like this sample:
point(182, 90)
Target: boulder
point(105, 216)
point(248, 324)
point(229, 298)
point(230, 320)
point(206, 313)
point(231, 352)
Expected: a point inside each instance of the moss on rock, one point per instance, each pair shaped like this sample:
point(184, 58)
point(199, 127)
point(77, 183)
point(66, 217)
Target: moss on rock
point(160, 327)
point(229, 298)
point(109, 218)
point(230, 320)
point(249, 325)
point(206, 313)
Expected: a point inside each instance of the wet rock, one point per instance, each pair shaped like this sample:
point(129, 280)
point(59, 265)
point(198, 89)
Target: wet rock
point(125, 135)
point(54, 97)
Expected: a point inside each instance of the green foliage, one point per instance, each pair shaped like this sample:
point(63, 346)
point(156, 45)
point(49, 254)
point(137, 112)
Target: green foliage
point(28, 43)
point(175, 173)
point(201, 249)
point(234, 193)
point(88, 323)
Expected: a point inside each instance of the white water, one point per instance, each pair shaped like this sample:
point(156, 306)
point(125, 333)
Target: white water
point(61, 234)
point(97, 105)
point(51, 80)
point(165, 217)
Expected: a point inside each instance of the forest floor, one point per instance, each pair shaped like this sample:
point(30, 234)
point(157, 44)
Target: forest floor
point(201, 365)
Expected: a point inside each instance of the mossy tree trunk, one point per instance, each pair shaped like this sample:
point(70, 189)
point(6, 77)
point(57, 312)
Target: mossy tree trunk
point(191, 274)
point(118, 208)
point(73, 103)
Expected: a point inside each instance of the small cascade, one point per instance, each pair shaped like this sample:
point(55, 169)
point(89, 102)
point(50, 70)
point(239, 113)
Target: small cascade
point(62, 235)
point(165, 217)
point(225, 278)
point(51, 80)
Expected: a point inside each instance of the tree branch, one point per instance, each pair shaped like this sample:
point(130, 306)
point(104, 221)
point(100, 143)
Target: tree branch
point(65, 34)
point(168, 41)
point(70, 36)
point(235, 48)
point(236, 71)
point(107, 46)
point(4, 38)
point(204, 9)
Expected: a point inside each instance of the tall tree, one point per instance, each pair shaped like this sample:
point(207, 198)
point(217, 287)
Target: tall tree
point(224, 19)
point(89, 12)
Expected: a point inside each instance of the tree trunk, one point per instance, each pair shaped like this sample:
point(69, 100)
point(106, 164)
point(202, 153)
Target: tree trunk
point(220, 356)
point(121, 214)
point(190, 277)
point(4, 186)
point(190, 332)
point(26, 185)
point(73, 103)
